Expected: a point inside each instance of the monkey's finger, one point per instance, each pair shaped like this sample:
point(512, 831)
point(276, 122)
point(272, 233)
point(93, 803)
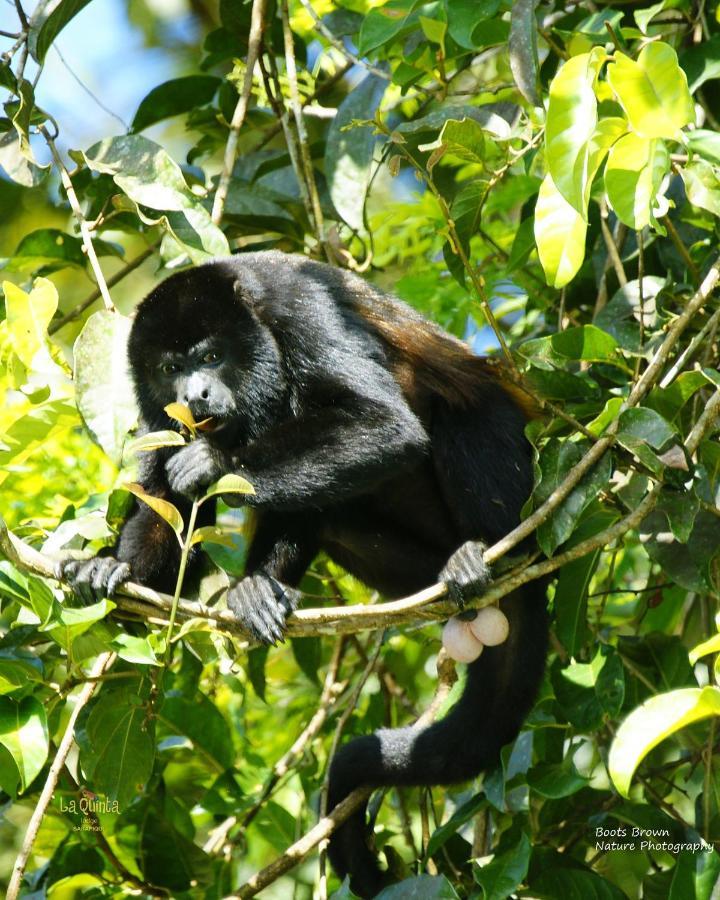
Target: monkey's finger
point(120, 574)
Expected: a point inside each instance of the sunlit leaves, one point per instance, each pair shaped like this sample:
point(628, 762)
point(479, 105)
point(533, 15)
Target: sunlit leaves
point(147, 174)
point(46, 27)
point(166, 510)
point(571, 123)
point(28, 316)
point(653, 91)
point(24, 734)
point(104, 392)
point(349, 150)
point(633, 175)
point(560, 235)
point(657, 719)
point(702, 185)
point(230, 484)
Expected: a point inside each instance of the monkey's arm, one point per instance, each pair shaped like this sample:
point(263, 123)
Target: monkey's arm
point(353, 430)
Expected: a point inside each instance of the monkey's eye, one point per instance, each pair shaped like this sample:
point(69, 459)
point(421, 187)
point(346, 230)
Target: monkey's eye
point(169, 368)
point(211, 356)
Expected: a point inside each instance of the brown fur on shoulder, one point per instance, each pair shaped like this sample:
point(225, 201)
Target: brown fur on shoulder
point(427, 360)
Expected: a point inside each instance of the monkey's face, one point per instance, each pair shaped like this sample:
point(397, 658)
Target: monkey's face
point(201, 378)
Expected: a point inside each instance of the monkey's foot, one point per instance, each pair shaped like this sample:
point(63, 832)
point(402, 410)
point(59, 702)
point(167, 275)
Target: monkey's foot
point(93, 579)
point(262, 604)
point(466, 574)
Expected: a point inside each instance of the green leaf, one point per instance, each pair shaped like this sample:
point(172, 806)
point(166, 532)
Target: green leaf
point(134, 649)
point(658, 718)
point(52, 24)
point(174, 97)
point(199, 720)
point(586, 342)
point(634, 172)
point(211, 534)
point(571, 123)
point(28, 317)
point(24, 734)
point(421, 887)
point(570, 602)
point(465, 17)
point(506, 871)
point(166, 510)
point(16, 165)
point(150, 178)
point(560, 235)
point(556, 780)
point(653, 91)
point(444, 832)
point(522, 49)
point(383, 24)
point(18, 668)
point(349, 151)
point(705, 143)
point(701, 62)
point(308, 655)
point(118, 751)
point(572, 883)
point(104, 393)
point(50, 249)
point(643, 426)
point(229, 484)
point(153, 440)
point(712, 645)
point(464, 138)
point(702, 185)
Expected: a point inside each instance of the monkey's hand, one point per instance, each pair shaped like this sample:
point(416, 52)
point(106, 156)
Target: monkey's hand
point(194, 467)
point(466, 574)
point(262, 604)
point(93, 579)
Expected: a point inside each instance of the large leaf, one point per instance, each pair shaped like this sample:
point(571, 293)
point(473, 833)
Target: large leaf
point(24, 734)
point(560, 234)
point(506, 871)
point(45, 32)
point(118, 748)
point(166, 510)
point(634, 172)
point(571, 123)
point(649, 724)
point(653, 91)
point(104, 391)
point(349, 150)
point(174, 97)
point(28, 316)
point(151, 178)
point(522, 49)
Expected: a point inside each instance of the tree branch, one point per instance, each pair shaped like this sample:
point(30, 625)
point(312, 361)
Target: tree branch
point(257, 25)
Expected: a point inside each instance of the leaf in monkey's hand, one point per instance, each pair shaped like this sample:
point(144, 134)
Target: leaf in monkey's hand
point(229, 484)
point(154, 440)
point(183, 415)
point(163, 508)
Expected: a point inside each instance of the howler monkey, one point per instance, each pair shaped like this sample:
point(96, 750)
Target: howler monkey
point(367, 433)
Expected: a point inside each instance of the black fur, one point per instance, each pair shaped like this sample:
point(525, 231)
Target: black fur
point(366, 432)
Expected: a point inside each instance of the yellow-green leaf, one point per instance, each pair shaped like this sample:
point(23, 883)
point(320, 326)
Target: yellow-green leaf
point(571, 123)
point(154, 440)
point(28, 316)
point(211, 534)
point(229, 484)
point(560, 235)
point(653, 91)
point(163, 508)
point(710, 646)
point(649, 724)
point(635, 169)
point(608, 131)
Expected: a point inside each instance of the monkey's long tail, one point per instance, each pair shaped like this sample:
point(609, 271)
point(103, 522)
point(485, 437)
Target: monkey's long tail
point(500, 690)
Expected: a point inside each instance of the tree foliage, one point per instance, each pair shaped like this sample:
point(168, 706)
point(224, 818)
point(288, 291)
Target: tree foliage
point(541, 179)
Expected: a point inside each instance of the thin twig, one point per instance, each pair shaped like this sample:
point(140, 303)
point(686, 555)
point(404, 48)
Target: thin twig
point(103, 662)
point(612, 250)
point(257, 25)
point(80, 218)
point(681, 248)
point(297, 109)
point(690, 350)
point(339, 46)
point(78, 310)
